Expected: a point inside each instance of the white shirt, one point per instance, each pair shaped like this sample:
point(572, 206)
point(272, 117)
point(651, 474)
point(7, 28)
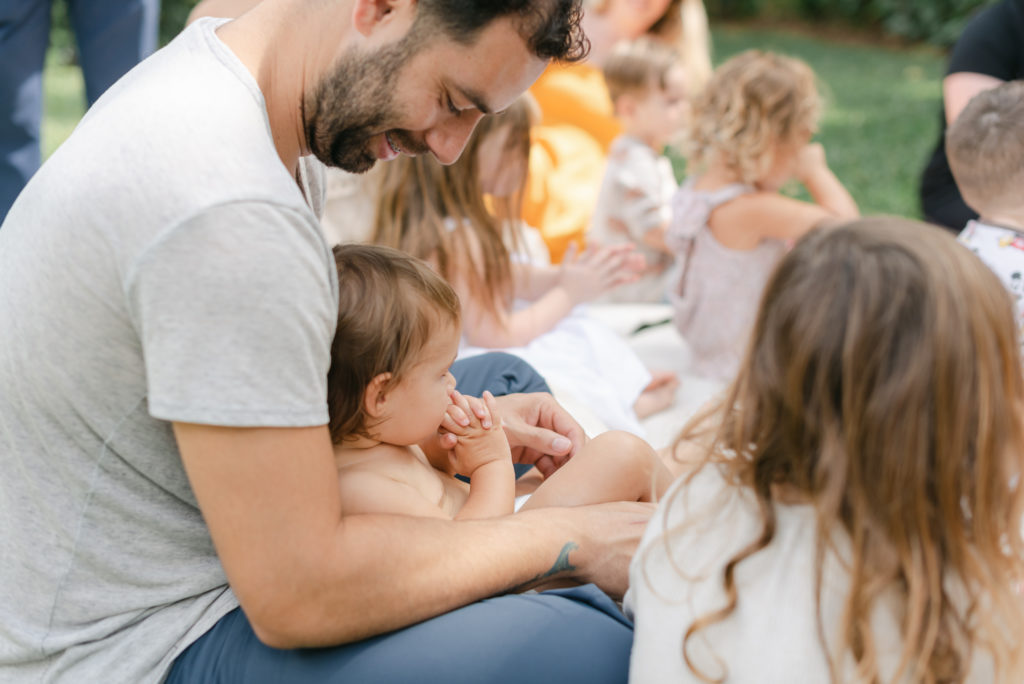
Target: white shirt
point(772, 635)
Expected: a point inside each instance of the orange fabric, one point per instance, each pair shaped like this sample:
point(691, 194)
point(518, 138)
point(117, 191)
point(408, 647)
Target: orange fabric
point(575, 94)
point(568, 154)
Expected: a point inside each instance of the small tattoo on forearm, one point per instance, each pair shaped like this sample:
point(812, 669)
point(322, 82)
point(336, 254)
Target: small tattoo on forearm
point(562, 564)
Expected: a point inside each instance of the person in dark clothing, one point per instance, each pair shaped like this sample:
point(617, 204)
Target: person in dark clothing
point(989, 51)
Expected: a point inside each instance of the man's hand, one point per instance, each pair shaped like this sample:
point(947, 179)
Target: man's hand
point(540, 432)
point(601, 546)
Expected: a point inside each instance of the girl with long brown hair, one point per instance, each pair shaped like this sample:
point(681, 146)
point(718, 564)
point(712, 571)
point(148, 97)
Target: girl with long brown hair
point(440, 214)
point(854, 513)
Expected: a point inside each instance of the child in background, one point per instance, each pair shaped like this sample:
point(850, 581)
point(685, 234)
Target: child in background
point(647, 86)
point(750, 134)
point(855, 511)
point(438, 213)
point(389, 390)
point(985, 147)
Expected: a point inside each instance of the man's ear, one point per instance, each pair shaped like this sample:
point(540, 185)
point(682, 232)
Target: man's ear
point(367, 15)
point(375, 398)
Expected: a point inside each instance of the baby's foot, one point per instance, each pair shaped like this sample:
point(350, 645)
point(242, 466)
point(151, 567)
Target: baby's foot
point(659, 394)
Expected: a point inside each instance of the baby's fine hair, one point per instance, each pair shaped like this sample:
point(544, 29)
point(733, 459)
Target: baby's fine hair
point(389, 304)
point(752, 102)
point(882, 386)
point(637, 66)
point(985, 146)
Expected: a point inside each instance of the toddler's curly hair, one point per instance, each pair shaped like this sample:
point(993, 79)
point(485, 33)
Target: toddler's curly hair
point(753, 101)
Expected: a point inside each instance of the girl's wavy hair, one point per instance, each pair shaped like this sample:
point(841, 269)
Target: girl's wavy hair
point(389, 305)
point(420, 202)
point(752, 102)
point(882, 385)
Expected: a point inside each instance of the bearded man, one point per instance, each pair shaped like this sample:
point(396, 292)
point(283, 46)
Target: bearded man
point(168, 500)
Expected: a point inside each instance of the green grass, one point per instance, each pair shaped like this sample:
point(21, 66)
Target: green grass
point(881, 115)
point(64, 105)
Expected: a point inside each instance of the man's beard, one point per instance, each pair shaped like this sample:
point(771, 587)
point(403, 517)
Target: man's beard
point(353, 103)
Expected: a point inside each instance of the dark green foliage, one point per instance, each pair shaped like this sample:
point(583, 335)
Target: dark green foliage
point(172, 17)
point(934, 21)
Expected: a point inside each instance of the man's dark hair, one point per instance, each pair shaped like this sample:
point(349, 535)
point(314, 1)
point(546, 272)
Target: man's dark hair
point(551, 28)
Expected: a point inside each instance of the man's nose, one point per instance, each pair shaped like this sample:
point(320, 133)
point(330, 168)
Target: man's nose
point(447, 140)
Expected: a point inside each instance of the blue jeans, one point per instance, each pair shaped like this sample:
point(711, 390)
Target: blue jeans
point(112, 36)
point(564, 635)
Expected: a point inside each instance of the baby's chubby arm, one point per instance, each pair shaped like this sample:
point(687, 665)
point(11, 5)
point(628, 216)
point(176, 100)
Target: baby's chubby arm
point(481, 453)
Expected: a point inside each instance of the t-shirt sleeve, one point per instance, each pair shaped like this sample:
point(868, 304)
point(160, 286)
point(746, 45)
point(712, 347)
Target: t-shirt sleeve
point(990, 44)
point(236, 310)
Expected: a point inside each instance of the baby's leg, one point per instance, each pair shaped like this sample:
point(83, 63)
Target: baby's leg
point(614, 466)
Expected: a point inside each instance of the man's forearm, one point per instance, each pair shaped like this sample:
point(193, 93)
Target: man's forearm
point(386, 572)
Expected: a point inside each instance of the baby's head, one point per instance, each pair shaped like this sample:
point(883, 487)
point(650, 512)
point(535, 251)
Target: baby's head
point(394, 314)
point(647, 86)
point(756, 112)
point(985, 146)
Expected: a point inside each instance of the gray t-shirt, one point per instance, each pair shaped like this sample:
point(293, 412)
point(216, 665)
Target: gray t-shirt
point(162, 266)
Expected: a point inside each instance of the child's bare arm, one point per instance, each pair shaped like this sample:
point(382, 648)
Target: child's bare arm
point(576, 280)
point(482, 453)
point(814, 172)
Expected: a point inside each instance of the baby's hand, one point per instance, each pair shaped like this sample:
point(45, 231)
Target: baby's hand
point(477, 428)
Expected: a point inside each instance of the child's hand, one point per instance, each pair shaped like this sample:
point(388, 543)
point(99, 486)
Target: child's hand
point(599, 269)
point(477, 428)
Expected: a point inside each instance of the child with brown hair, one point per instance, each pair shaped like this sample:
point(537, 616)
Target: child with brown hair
point(439, 213)
point(852, 507)
point(750, 134)
point(390, 390)
point(647, 86)
point(985, 147)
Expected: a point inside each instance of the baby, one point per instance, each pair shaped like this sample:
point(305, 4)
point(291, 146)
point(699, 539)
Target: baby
point(390, 391)
point(985, 146)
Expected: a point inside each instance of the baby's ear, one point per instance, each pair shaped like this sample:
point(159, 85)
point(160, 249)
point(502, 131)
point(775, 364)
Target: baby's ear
point(375, 397)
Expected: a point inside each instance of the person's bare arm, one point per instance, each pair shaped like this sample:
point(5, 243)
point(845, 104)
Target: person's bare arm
point(306, 576)
point(958, 89)
point(578, 280)
point(826, 190)
point(482, 453)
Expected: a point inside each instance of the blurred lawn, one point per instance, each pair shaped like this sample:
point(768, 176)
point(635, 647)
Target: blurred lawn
point(881, 114)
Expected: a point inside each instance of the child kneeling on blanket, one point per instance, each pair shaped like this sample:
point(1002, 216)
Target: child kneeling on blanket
point(390, 391)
